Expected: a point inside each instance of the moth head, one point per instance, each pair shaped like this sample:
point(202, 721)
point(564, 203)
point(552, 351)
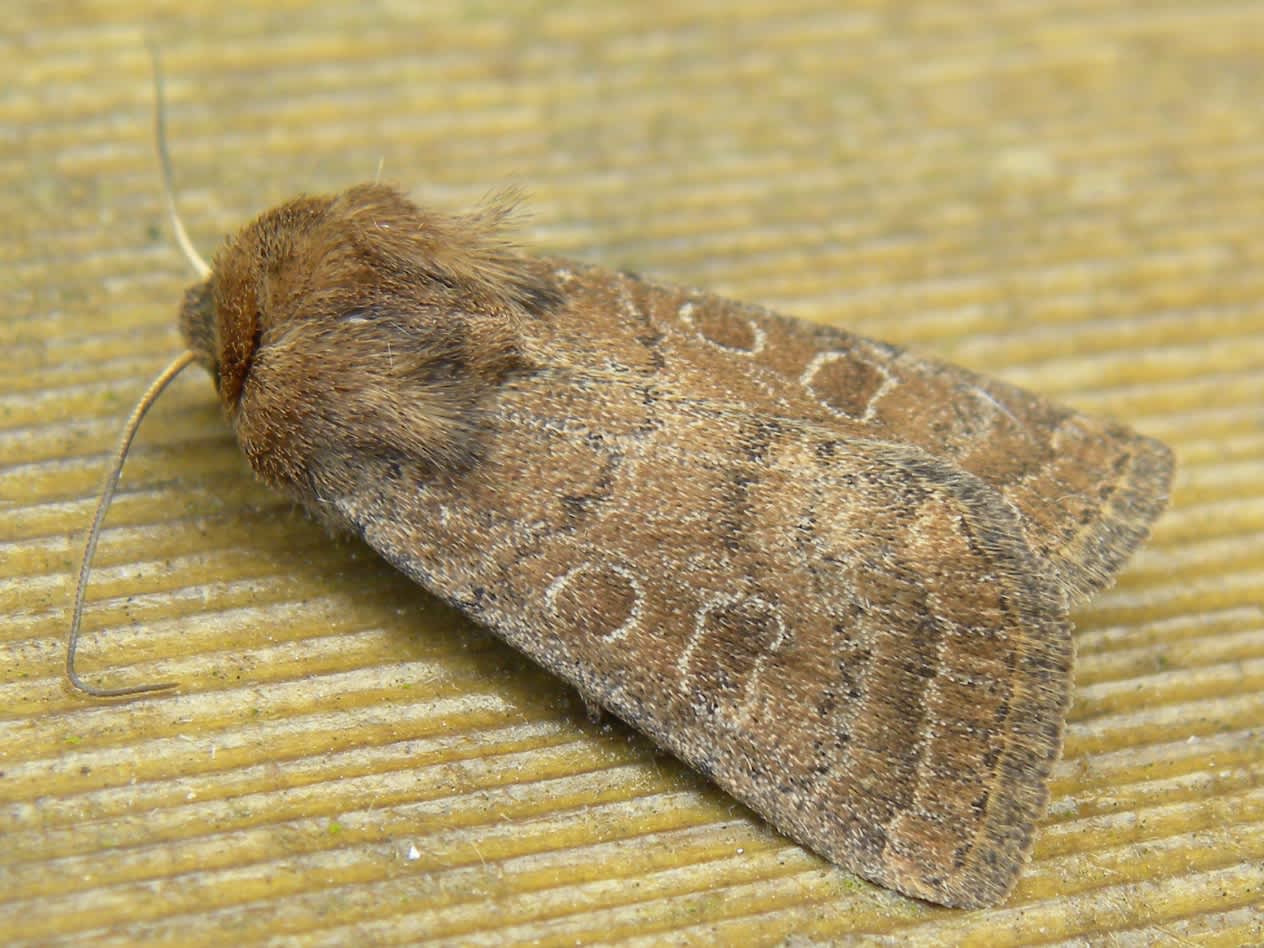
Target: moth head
point(224, 317)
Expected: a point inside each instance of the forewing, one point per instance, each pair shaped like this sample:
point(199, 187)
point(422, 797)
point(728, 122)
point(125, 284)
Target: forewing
point(847, 635)
point(1085, 490)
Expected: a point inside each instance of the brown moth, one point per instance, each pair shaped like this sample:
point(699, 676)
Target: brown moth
point(832, 576)
point(829, 575)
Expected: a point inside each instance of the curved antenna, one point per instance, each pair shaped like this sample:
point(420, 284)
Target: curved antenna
point(168, 178)
point(90, 545)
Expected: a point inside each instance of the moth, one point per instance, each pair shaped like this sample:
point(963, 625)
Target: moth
point(830, 575)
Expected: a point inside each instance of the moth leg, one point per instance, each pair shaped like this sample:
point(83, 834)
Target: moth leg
point(596, 713)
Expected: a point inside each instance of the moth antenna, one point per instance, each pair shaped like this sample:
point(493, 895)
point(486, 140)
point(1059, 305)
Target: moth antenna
point(94, 532)
point(168, 178)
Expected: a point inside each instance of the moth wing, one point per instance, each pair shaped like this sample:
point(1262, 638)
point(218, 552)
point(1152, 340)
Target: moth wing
point(709, 574)
point(1086, 490)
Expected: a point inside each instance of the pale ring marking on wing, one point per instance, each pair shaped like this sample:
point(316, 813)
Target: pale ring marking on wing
point(822, 359)
point(760, 338)
point(560, 584)
point(722, 600)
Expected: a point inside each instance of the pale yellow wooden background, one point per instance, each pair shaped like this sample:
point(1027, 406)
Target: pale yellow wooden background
point(1069, 194)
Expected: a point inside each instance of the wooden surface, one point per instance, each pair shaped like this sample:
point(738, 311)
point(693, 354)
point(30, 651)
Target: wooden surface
point(1069, 195)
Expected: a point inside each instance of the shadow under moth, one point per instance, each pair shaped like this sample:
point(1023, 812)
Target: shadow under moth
point(831, 576)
